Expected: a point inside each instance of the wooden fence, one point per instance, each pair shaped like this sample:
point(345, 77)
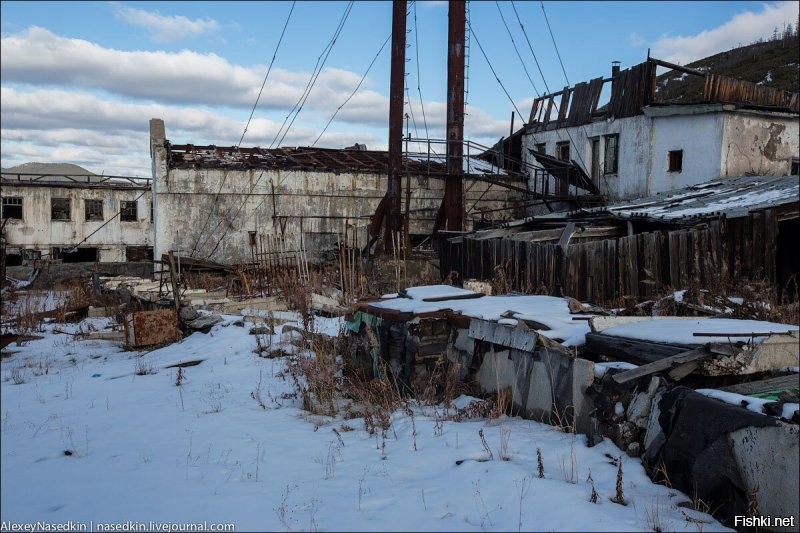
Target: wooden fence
point(638, 266)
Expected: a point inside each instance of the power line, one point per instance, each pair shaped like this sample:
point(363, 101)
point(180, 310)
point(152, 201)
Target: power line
point(354, 90)
point(274, 55)
point(492, 68)
point(115, 215)
point(247, 125)
point(547, 87)
point(303, 98)
point(516, 50)
point(530, 47)
point(298, 106)
point(554, 42)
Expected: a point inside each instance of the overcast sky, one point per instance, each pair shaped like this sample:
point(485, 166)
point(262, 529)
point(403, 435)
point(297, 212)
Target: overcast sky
point(80, 80)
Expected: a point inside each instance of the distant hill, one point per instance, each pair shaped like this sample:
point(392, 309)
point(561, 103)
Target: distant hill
point(62, 170)
point(773, 63)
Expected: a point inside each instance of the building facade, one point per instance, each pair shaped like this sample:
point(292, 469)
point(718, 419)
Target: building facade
point(76, 219)
point(221, 203)
point(635, 146)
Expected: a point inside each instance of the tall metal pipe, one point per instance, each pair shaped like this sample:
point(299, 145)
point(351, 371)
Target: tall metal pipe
point(396, 99)
point(453, 201)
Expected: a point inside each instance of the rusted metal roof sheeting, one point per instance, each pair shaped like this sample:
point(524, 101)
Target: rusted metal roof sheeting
point(320, 159)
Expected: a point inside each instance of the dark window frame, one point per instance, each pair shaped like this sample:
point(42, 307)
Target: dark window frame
point(93, 210)
point(62, 212)
point(12, 207)
point(594, 159)
point(540, 148)
point(128, 211)
point(675, 160)
point(611, 155)
point(560, 149)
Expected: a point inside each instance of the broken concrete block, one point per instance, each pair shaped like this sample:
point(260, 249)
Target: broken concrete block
point(540, 392)
point(204, 323)
point(639, 409)
point(582, 379)
point(262, 330)
point(188, 313)
point(767, 459)
point(326, 305)
point(775, 352)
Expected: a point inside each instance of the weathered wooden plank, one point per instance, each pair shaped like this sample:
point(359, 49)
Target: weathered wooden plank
point(660, 365)
point(779, 383)
point(770, 244)
point(632, 349)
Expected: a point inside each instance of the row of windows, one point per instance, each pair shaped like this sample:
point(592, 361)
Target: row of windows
point(610, 155)
point(60, 209)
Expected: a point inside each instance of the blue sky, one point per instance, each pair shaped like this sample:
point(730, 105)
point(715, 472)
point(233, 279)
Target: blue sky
point(80, 80)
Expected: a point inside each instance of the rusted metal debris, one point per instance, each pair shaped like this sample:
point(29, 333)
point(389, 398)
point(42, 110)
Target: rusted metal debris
point(149, 328)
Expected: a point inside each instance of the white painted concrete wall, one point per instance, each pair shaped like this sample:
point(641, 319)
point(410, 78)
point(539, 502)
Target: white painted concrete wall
point(716, 141)
point(700, 138)
point(36, 231)
point(209, 213)
point(761, 144)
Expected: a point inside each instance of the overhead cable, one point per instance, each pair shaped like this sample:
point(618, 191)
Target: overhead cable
point(354, 90)
point(492, 68)
point(323, 57)
point(525, 68)
point(247, 125)
point(274, 55)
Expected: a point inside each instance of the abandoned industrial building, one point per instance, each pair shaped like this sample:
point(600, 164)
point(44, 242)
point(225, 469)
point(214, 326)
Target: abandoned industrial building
point(222, 203)
point(585, 272)
point(74, 218)
point(637, 145)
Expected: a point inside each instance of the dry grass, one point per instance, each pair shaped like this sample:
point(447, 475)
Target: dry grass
point(316, 376)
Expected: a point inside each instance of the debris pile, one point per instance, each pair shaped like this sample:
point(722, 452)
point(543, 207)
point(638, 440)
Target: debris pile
point(635, 380)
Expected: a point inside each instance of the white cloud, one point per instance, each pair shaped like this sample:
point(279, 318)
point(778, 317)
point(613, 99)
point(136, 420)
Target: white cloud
point(742, 29)
point(636, 40)
point(71, 100)
point(37, 56)
point(165, 28)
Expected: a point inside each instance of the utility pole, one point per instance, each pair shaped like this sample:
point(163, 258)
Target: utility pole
point(451, 213)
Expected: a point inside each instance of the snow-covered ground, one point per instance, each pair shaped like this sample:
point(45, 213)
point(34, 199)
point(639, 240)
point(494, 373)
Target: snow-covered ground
point(94, 434)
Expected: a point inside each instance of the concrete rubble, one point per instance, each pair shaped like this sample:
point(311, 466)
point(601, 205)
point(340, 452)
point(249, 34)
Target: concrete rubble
point(658, 398)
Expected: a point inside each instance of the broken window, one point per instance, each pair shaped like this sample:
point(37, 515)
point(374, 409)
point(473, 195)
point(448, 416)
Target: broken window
point(77, 255)
point(595, 143)
point(540, 148)
point(611, 160)
point(795, 167)
point(94, 209)
point(127, 211)
point(675, 160)
point(138, 253)
point(562, 150)
point(12, 207)
point(59, 209)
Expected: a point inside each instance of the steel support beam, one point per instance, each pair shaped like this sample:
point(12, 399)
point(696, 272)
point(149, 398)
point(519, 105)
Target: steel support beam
point(451, 213)
point(396, 100)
